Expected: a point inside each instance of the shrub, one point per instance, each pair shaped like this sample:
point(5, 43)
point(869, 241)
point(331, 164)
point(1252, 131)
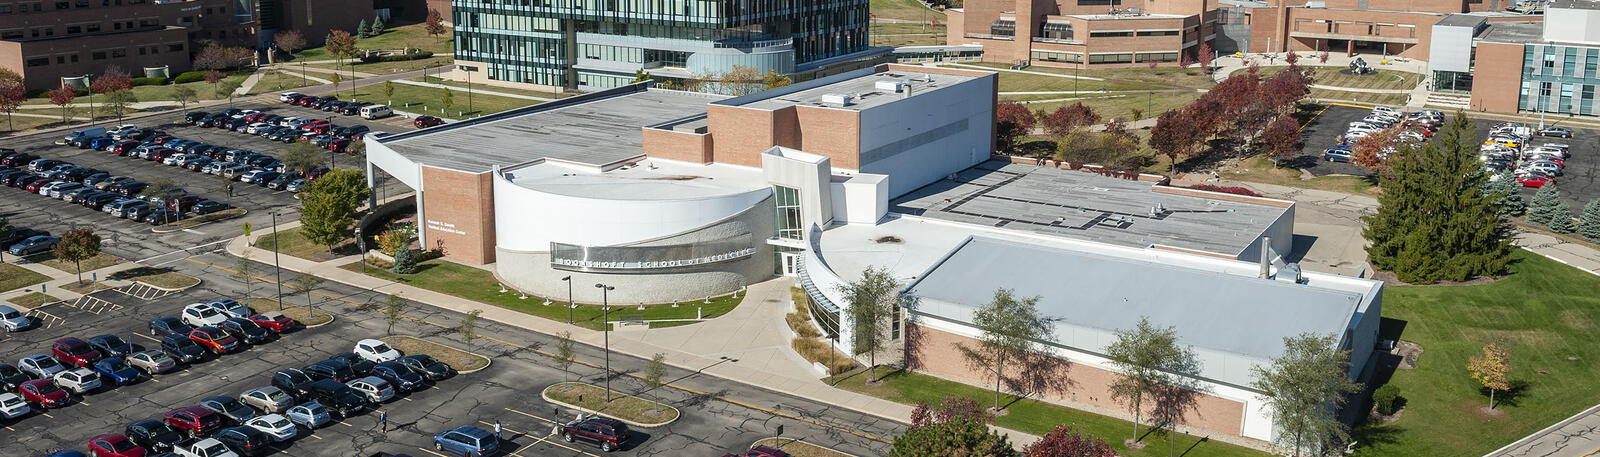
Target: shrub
point(148, 81)
point(189, 77)
point(391, 240)
point(404, 262)
point(399, 58)
point(1386, 399)
point(427, 255)
point(1226, 190)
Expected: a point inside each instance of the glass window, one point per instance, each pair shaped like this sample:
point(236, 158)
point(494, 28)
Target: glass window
point(1158, 33)
point(1003, 27)
point(789, 223)
point(1109, 35)
point(1056, 30)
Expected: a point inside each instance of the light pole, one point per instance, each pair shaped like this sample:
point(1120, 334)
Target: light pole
point(570, 303)
point(1147, 102)
point(361, 243)
point(275, 265)
point(88, 80)
point(605, 307)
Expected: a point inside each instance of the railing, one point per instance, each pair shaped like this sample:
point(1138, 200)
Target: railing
point(1040, 39)
point(989, 36)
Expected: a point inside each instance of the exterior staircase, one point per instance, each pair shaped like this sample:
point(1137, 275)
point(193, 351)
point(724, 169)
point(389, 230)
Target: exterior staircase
point(1453, 101)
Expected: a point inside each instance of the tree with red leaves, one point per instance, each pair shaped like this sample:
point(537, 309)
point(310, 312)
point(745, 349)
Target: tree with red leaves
point(1206, 54)
point(1069, 118)
point(1323, 58)
point(111, 80)
point(1117, 126)
point(1281, 136)
point(1283, 90)
point(1067, 441)
point(434, 24)
point(1372, 150)
point(1175, 135)
point(342, 45)
point(12, 94)
point(1291, 58)
point(1011, 121)
point(213, 77)
point(62, 97)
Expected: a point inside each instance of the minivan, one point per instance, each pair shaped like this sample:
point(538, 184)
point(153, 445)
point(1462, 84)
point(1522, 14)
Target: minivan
point(376, 111)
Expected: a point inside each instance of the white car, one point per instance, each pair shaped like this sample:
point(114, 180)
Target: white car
point(173, 159)
point(374, 388)
point(208, 447)
point(12, 406)
point(376, 351)
point(40, 366)
point(256, 128)
point(244, 113)
point(201, 315)
point(118, 131)
point(284, 97)
point(230, 307)
point(13, 320)
point(274, 425)
point(79, 381)
point(1549, 168)
point(287, 120)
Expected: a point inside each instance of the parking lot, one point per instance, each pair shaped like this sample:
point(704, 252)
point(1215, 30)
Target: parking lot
point(137, 241)
point(1579, 184)
point(508, 391)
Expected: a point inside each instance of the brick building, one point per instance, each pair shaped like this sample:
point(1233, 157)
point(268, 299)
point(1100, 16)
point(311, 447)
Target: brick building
point(1552, 66)
point(46, 40)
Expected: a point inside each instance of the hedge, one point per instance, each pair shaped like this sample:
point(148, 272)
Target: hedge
point(400, 58)
point(1226, 190)
point(149, 81)
point(189, 77)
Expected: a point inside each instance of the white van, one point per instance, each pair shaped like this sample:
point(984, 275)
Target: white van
point(376, 111)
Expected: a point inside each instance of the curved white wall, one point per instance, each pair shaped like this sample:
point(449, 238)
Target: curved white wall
point(528, 219)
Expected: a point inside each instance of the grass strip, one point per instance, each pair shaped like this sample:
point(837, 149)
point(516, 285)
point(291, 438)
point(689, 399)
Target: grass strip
point(461, 361)
point(622, 406)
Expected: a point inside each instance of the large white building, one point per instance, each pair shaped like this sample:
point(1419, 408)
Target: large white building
point(671, 196)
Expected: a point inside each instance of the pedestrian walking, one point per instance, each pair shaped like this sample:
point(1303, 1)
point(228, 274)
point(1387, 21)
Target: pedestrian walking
point(497, 429)
point(230, 189)
point(383, 418)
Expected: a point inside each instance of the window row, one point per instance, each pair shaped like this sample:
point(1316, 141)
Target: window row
point(103, 54)
point(24, 7)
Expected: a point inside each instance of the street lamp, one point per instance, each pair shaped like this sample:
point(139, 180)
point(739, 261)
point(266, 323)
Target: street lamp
point(605, 307)
point(88, 80)
point(275, 265)
point(361, 243)
point(570, 304)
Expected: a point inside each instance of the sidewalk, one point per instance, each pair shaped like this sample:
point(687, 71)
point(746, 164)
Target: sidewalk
point(60, 278)
point(718, 355)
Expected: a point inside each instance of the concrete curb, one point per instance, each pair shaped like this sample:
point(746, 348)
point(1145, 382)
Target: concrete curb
point(808, 443)
point(178, 226)
point(197, 282)
point(545, 393)
point(487, 360)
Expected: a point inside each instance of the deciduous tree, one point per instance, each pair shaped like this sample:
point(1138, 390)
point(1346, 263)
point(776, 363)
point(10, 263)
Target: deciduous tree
point(1433, 222)
point(230, 87)
point(1011, 327)
point(1372, 152)
point(564, 353)
point(469, 326)
point(871, 303)
point(213, 78)
point(1305, 387)
point(1067, 441)
point(1206, 56)
point(77, 246)
point(219, 57)
point(394, 309)
point(328, 206)
point(654, 371)
point(957, 428)
point(5, 232)
point(1492, 369)
point(62, 97)
point(290, 42)
point(434, 24)
point(1176, 135)
point(1282, 136)
point(1068, 118)
point(303, 156)
point(184, 95)
point(244, 271)
point(120, 101)
point(1145, 357)
point(304, 283)
point(12, 94)
point(1011, 121)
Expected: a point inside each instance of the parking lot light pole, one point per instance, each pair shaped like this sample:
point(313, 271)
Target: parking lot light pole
point(275, 265)
point(361, 243)
point(605, 320)
point(570, 304)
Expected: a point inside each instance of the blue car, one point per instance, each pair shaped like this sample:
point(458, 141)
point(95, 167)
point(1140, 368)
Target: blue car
point(466, 441)
point(101, 143)
point(310, 415)
point(117, 371)
point(169, 325)
point(1339, 153)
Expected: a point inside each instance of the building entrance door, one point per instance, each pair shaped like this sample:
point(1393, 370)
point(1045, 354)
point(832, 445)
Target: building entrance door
point(788, 261)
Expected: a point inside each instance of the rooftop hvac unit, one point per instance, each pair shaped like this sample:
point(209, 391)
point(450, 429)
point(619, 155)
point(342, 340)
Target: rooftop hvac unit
point(1321, 4)
point(836, 99)
point(887, 85)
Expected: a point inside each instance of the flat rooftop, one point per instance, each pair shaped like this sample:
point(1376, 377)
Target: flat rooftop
point(1574, 4)
point(1224, 316)
point(1087, 206)
point(1513, 32)
point(649, 179)
point(1461, 20)
point(597, 129)
point(861, 85)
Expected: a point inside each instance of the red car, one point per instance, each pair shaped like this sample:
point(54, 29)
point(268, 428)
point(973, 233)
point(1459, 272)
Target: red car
point(182, 204)
point(339, 145)
point(274, 321)
point(423, 122)
point(1533, 180)
point(75, 352)
point(160, 154)
point(114, 445)
point(34, 186)
point(122, 147)
point(42, 393)
point(214, 339)
point(193, 420)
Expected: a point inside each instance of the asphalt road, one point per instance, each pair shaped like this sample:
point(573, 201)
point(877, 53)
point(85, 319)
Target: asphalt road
point(1579, 184)
point(717, 415)
point(137, 241)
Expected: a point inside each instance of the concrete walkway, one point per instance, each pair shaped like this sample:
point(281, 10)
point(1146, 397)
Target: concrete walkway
point(58, 278)
point(754, 333)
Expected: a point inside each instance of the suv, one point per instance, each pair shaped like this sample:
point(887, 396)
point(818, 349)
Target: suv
point(293, 381)
point(182, 348)
point(337, 397)
point(75, 352)
point(193, 420)
point(214, 339)
point(153, 435)
point(245, 440)
point(78, 380)
point(607, 433)
point(467, 440)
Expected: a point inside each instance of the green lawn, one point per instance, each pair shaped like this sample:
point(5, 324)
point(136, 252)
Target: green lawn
point(1262, 170)
point(1109, 107)
point(1036, 417)
point(1171, 77)
point(1545, 310)
point(479, 285)
point(434, 63)
point(798, 448)
point(622, 406)
point(278, 81)
point(909, 10)
point(14, 277)
point(418, 99)
point(20, 123)
point(1011, 81)
point(203, 90)
point(477, 86)
point(97, 262)
point(405, 36)
point(33, 299)
point(907, 34)
point(1384, 79)
point(293, 244)
point(1358, 96)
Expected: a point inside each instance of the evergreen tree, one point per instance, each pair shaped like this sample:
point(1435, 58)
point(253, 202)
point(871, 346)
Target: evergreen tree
point(362, 30)
point(1507, 194)
point(405, 262)
point(1589, 222)
point(377, 26)
point(1544, 204)
point(1561, 219)
point(1434, 222)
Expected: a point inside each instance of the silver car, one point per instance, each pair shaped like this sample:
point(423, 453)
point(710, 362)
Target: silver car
point(40, 366)
point(13, 320)
point(152, 362)
point(267, 399)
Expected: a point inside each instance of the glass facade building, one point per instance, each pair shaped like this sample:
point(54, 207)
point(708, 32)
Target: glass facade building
point(596, 44)
point(1559, 79)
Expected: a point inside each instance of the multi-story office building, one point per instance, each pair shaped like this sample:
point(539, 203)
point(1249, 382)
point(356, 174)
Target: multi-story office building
point(597, 44)
point(46, 40)
point(1549, 66)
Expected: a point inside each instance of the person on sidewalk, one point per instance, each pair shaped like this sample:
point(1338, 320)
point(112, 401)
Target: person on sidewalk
point(383, 419)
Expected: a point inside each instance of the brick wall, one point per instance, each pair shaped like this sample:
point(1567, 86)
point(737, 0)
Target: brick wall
point(1090, 385)
point(835, 133)
point(1497, 86)
point(685, 146)
point(739, 135)
point(458, 209)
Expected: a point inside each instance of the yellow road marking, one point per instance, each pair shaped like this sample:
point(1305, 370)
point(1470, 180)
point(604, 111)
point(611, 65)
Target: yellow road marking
point(148, 337)
point(45, 414)
point(1350, 105)
point(529, 415)
point(344, 424)
point(1314, 117)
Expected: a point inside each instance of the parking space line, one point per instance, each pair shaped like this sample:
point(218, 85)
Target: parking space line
point(344, 424)
point(50, 320)
point(529, 415)
point(431, 452)
point(45, 414)
point(148, 337)
point(540, 439)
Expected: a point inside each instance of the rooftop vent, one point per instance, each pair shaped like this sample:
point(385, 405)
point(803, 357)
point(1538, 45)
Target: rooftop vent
point(887, 85)
point(836, 99)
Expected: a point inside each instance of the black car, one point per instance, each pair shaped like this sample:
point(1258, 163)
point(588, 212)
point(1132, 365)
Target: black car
point(132, 188)
point(350, 109)
point(163, 326)
point(245, 330)
point(398, 374)
point(427, 366)
point(196, 164)
point(329, 369)
point(231, 409)
point(93, 178)
point(293, 381)
point(162, 217)
point(111, 346)
point(21, 233)
point(195, 116)
point(358, 365)
point(213, 120)
point(335, 106)
point(337, 397)
point(245, 440)
point(100, 201)
point(153, 435)
point(261, 179)
point(260, 160)
point(182, 348)
point(208, 207)
point(11, 377)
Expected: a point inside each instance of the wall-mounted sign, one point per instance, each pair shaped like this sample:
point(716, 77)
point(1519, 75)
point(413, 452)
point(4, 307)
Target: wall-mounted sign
point(649, 259)
point(444, 227)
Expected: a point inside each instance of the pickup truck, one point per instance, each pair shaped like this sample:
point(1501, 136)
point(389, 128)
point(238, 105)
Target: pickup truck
point(208, 447)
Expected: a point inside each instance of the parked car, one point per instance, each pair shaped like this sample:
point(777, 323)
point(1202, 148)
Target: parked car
point(374, 388)
point(214, 339)
point(1533, 180)
point(163, 326)
point(297, 383)
point(153, 435)
point(209, 206)
point(376, 351)
point(231, 409)
point(337, 397)
point(422, 122)
point(467, 440)
point(114, 445)
point(78, 380)
point(761, 451)
point(399, 375)
point(275, 426)
point(152, 362)
point(425, 365)
point(34, 245)
point(40, 366)
point(275, 321)
point(1339, 153)
point(43, 394)
point(182, 348)
point(246, 330)
point(245, 440)
point(116, 371)
point(310, 415)
point(12, 406)
point(75, 352)
point(13, 320)
point(609, 434)
point(1556, 131)
point(208, 447)
point(267, 399)
point(11, 377)
point(201, 314)
point(193, 420)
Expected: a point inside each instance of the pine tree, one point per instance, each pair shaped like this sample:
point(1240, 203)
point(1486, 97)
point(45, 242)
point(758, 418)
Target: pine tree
point(1507, 194)
point(377, 26)
point(1589, 223)
point(1544, 204)
point(1434, 222)
point(1561, 219)
point(362, 30)
point(405, 262)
